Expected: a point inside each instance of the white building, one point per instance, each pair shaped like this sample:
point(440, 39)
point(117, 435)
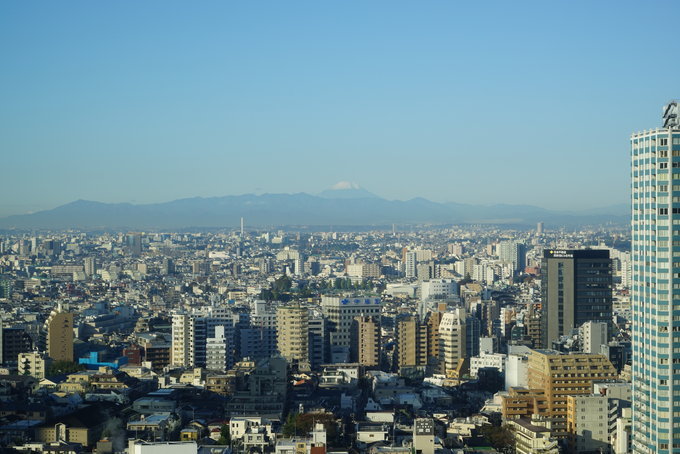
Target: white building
point(592, 335)
point(423, 436)
point(516, 371)
point(493, 360)
point(438, 289)
point(216, 350)
point(167, 447)
point(241, 425)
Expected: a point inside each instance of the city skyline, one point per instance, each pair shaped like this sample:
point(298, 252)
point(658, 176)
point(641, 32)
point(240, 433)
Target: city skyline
point(454, 103)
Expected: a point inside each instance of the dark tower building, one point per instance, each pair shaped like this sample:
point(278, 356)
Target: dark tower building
point(576, 286)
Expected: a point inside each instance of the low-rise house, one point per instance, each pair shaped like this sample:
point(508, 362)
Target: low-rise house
point(83, 426)
point(372, 433)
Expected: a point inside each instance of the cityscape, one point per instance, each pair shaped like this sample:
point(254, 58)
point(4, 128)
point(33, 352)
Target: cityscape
point(190, 262)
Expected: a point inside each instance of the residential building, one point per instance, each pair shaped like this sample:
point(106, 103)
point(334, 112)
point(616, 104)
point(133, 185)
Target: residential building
point(292, 329)
point(59, 335)
point(654, 294)
point(452, 340)
point(365, 347)
point(592, 336)
point(588, 424)
point(560, 376)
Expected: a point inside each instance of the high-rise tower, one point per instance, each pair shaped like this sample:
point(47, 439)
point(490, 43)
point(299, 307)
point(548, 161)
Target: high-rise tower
point(655, 294)
point(576, 287)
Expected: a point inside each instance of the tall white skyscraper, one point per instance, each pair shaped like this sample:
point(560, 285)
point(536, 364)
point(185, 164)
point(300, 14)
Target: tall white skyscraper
point(656, 286)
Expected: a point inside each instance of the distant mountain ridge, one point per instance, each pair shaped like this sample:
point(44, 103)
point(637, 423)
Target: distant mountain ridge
point(340, 208)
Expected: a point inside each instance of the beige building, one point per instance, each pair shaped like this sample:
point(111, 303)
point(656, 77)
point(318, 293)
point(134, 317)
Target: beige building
point(33, 364)
point(533, 437)
point(365, 345)
point(59, 329)
point(561, 376)
point(452, 342)
point(523, 403)
point(292, 326)
point(363, 270)
point(588, 423)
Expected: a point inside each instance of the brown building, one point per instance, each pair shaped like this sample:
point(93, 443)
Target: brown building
point(418, 341)
point(412, 342)
point(365, 341)
point(523, 403)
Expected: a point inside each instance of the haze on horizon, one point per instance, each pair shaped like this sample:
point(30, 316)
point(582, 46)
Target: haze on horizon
point(517, 103)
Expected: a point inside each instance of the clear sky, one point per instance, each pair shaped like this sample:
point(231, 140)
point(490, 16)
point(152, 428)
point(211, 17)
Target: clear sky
point(476, 102)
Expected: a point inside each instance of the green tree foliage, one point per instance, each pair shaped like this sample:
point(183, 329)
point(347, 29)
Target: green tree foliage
point(500, 437)
point(282, 284)
point(279, 290)
point(301, 424)
point(63, 367)
point(225, 436)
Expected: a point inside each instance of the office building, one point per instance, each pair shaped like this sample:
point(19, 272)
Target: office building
point(576, 287)
point(133, 244)
point(655, 293)
point(340, 312)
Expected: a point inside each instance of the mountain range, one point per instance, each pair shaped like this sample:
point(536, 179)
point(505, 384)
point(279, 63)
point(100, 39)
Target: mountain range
point(348, 205)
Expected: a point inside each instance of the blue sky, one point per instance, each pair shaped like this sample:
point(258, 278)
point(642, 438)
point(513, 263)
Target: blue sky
point(480, 102)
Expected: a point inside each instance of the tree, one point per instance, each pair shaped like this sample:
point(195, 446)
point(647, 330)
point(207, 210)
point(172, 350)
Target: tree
point(64, 367)
point(301, 424)
point(225, 436)
point(282, 284)
point(500, 437)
